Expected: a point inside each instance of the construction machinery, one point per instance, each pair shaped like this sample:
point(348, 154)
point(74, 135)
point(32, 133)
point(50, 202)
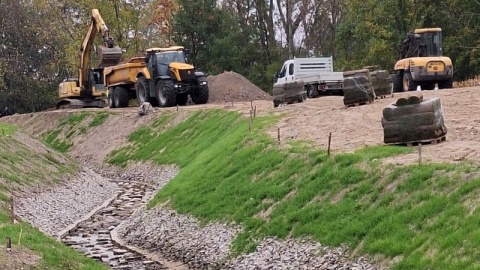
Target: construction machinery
point(162, 78)
point(315, 73)
point(88, 89)
point(421, 62)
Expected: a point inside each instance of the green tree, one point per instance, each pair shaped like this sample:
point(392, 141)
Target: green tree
point(29, 57)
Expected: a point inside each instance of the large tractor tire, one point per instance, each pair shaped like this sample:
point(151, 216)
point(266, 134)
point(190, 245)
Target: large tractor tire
point(445, 84)
point(120, 97)
point(397, 82)
point(166, 94)
point(182, 99)
point(141, 89)
point(111, 93)
point(201, 95)
point(408, 83)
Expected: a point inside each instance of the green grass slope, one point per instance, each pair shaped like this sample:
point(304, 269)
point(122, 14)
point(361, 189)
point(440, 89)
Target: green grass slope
point(423, 215)
point(22, 166)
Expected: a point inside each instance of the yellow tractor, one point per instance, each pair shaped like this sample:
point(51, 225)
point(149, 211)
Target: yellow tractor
point(422, 62)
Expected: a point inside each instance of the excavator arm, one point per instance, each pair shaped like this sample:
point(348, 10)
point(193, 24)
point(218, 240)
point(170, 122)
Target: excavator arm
point(108, 54)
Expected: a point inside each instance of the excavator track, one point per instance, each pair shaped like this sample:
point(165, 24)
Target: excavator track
point(70, 103)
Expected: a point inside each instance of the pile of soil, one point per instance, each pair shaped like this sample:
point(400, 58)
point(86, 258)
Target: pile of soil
point(231, 86)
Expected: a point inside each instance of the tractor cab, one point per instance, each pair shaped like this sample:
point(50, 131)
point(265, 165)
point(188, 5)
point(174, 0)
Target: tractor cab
point(425, 42)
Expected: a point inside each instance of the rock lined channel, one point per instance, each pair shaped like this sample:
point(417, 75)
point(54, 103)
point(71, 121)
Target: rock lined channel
point(83, 212)
point(92, 237)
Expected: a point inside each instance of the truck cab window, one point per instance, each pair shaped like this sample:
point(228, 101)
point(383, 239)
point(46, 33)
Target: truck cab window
point(290, 69)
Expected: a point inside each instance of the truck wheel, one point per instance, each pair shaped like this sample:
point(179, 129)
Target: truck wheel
point(120, 97)
point(397, 82)
point(111, 92)
point(141, 90)
point(201, 95)
point(408, 83)
point(182, 99)
point(310, 93)
point(166, 95)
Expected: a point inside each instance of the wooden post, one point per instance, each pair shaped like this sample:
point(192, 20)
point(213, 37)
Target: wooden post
point(20, 236)
point(12, 213)
point(251, 104)
point(255, 111)
point(419, 153)
point(177, 107)
point(278, 135)
point(329, 142)
point(250, 122)
point(232, 103)
point(9, 244)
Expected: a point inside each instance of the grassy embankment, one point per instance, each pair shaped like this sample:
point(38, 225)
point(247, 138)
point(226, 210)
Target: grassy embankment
point(22, 166)
point(424, 215)
point(69, 127)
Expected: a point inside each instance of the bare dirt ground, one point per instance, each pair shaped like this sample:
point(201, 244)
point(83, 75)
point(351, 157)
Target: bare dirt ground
point(312, 120)
point(18, 258)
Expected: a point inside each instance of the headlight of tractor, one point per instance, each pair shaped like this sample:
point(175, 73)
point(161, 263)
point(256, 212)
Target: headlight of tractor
point(203, 83)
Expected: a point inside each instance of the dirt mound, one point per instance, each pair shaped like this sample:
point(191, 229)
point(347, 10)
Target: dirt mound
point(231, 86)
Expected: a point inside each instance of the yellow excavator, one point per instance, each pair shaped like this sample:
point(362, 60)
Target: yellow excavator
point(422, 62)
point(88, 89)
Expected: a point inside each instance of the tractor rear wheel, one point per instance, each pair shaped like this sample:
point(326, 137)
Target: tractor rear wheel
point(397, 81)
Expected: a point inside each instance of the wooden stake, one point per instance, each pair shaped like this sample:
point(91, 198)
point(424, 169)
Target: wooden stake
point(12, 213)
point(9, 244)
point(251, 104)
point(419, 153)
point(20, 236)
point(250, 122)
point(232, 103)
point(177, 107)
point(329, 142)
point(278, 135)
point(255, 111)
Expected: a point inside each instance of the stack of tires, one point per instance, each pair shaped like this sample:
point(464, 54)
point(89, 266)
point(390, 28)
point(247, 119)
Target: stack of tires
point(381, 82)
point(413, 119)
point(288, 93)
point(357, 87)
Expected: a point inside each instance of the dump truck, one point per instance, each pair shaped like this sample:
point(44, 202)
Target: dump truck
point(162, 78)
point(88, 89)
point(316, 73)
point(421, 62)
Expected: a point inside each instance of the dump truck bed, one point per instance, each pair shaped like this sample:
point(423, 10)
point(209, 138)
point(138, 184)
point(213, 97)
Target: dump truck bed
point(124, 73)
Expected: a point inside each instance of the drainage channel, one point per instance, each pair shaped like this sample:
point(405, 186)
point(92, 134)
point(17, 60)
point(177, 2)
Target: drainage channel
point(92, 236)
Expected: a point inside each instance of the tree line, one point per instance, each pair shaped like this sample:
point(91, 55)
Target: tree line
point(41, 38)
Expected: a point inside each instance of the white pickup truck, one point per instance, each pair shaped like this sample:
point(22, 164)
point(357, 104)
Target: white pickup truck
point(316, 73)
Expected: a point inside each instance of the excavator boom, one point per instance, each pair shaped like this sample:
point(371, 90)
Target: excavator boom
point(108, 54)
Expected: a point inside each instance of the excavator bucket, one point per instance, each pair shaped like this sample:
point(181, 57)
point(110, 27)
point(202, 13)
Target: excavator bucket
point(109, 56)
